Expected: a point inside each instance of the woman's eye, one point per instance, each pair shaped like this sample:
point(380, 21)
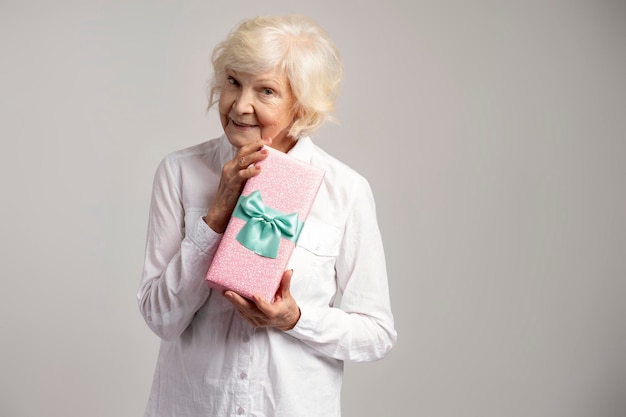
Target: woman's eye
point(232, 81)
point(268, 91)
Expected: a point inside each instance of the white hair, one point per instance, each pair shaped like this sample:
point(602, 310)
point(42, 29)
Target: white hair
point(296, 46)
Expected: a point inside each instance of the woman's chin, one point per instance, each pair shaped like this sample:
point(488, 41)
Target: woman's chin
point(242, 137)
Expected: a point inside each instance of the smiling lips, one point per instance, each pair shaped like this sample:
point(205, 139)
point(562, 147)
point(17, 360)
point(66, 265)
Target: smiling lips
point(240, 124)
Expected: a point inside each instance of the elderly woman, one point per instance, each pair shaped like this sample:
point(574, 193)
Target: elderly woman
point(275, 81)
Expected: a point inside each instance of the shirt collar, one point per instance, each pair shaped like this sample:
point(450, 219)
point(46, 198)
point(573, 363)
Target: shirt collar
point(302, 150)
point(227, 151)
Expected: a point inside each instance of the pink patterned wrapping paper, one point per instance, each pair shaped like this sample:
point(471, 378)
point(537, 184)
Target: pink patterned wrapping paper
point(286, 184)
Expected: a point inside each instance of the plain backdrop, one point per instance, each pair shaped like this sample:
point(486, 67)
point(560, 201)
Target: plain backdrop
point(492, 133)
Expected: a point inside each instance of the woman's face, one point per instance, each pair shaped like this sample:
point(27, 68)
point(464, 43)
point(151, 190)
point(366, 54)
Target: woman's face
point(257, 106)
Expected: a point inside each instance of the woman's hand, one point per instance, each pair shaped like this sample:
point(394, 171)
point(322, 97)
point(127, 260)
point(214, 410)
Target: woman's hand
point(235, 173)
point(282, 314)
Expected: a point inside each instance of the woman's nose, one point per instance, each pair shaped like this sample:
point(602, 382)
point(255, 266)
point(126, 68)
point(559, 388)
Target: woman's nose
point(243, 102)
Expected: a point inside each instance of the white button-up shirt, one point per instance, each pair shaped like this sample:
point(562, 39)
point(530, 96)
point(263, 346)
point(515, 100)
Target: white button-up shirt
point(211, 361)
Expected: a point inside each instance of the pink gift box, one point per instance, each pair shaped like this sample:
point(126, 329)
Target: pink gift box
point(263, 231)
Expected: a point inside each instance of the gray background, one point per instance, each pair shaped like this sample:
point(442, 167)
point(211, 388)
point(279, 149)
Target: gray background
point(493, 137)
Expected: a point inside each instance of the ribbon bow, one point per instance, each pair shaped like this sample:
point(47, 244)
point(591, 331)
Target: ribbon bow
point(264, 225)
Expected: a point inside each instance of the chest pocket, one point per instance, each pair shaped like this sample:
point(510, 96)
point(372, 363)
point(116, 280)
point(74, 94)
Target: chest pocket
point(191, 217)
point(313, 261)
point(320, 239)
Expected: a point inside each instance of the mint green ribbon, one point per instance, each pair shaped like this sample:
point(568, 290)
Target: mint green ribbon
point(264, 226)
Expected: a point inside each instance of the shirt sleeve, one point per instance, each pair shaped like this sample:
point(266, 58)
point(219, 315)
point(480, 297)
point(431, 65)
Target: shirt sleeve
point(172, 286)
point(361, 328)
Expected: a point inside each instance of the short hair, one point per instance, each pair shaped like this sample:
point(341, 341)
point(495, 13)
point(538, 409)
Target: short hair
point(298, 47)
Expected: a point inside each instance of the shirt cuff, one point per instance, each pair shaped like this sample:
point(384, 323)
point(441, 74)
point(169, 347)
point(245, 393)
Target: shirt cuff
point(306, 325)
point(205, 238)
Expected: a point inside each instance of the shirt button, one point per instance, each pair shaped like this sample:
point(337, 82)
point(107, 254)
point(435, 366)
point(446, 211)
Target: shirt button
point(243, 375)
point(240, 411)
point(246, 339)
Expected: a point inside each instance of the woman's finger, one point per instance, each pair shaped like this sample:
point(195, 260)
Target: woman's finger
point(249, 155)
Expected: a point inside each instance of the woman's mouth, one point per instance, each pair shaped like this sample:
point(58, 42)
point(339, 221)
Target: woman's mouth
point(241, 124)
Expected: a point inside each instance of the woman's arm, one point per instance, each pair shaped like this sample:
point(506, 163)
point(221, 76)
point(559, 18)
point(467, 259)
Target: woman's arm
point(362, 327)
point(177, 256)
point(172, 286)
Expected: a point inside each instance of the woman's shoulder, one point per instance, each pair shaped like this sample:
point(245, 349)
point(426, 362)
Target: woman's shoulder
point(208, 147)
point(338, 171)
point(211, 153)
